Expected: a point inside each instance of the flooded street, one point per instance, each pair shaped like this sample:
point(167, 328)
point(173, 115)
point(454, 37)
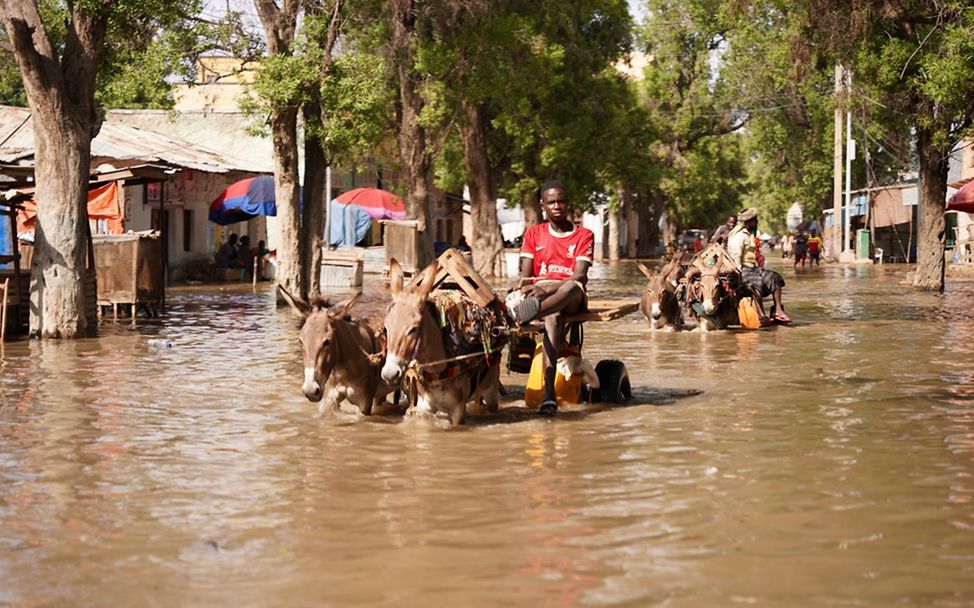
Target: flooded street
point(829, 463)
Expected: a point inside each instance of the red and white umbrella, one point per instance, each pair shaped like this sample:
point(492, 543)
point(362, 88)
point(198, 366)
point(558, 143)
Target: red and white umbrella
point(963, 199)
point(379, 204)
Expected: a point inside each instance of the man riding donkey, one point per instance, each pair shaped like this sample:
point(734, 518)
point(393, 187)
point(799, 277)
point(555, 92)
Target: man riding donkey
point(743, 250)
point(555, 258)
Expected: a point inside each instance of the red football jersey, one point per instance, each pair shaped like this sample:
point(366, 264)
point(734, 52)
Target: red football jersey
point(554, 254)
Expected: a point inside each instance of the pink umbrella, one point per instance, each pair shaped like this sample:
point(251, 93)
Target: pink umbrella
point(963, 199)
point(379, 204)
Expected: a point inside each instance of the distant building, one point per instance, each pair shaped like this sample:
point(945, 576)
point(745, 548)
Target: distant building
point(178, 207)
point(220, 81)
point(960, 225)
point(208, 112)
point(633, 65)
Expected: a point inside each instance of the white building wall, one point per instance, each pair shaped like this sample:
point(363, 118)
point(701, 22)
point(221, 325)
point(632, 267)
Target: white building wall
point(189, 191)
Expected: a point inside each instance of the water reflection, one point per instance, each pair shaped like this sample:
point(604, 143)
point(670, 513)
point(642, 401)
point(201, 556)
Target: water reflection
point(838, 449)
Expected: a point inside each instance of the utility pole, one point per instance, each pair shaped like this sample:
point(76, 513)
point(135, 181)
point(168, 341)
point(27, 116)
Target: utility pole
point(838, 223)
point(850, 153)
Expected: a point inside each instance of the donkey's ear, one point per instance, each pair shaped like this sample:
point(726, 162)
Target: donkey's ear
point(672, 269)
point(643, 269)
point(395, 276)
point(429, 278)
point(341, 309)
point(297, 304)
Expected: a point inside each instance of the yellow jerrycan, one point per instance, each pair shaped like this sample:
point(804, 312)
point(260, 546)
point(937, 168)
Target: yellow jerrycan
point(748, 313)
point(567, 390)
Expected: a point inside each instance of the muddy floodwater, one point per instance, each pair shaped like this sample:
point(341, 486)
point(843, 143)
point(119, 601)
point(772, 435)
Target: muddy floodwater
point(829, 463)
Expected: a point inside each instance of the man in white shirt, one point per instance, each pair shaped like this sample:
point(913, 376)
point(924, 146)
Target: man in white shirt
point(764, 281)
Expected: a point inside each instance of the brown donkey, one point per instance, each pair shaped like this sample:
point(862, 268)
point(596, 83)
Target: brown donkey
point(659, 302)
point(416, 345)
point(341, 355)
point(711, 295)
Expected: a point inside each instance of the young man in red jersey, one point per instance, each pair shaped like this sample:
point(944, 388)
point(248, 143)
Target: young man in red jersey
point(555, 258)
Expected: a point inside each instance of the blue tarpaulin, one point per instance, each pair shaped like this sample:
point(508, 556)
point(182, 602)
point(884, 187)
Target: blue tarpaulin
point(6, 239)
point(244, 200)
point(349, 224)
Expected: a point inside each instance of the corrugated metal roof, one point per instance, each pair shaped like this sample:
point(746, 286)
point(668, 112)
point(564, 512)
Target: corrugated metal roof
point(224, 131)
point(122, 142)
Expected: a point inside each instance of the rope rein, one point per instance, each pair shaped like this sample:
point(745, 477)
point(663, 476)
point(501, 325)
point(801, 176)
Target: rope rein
point(418, 365)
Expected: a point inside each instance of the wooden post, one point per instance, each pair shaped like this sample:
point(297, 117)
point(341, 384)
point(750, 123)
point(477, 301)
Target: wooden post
point(165, 248)
point(254, 276)
point(135, 277)
point(3, 307)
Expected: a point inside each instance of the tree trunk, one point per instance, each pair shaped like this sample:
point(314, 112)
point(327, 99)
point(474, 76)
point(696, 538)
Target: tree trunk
point(532, 210)
point(644, 219)
point(649, 226)
point(63, 159)
point(60, 87)
point(669, 235)
point(614, 220)
point(487, 245)
point(280, 23)
point(414, 159)
point(290, 274)
point(313, 195)
point(632, 224)
point(929, 273)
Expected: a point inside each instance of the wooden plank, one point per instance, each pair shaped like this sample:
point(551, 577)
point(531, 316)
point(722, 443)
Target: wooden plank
point(597, 311)
point(604, 311)
point(711, 250)
point(18, 296)
point(347, 255)
point(467, 279)
point(453, 266)
point(401, 241)
point(341, 273)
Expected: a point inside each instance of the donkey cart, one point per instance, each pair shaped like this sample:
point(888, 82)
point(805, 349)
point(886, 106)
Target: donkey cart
point(577, 380)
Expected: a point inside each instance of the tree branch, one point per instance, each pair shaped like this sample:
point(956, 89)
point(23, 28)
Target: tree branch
point(279, 24)
point(920, 46)
point(39, 66)
point(82, 52)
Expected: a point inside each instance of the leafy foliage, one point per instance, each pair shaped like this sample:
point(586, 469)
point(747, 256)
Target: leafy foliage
point(789, 105)
point(355, 95)
point(688, 102)
point(149, 45)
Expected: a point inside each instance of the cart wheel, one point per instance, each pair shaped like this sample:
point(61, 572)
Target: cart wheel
point(614, 382)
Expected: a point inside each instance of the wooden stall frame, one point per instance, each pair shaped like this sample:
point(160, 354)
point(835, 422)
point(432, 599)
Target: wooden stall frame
point(139, 289)
point(342, 267)
point(401, 241)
